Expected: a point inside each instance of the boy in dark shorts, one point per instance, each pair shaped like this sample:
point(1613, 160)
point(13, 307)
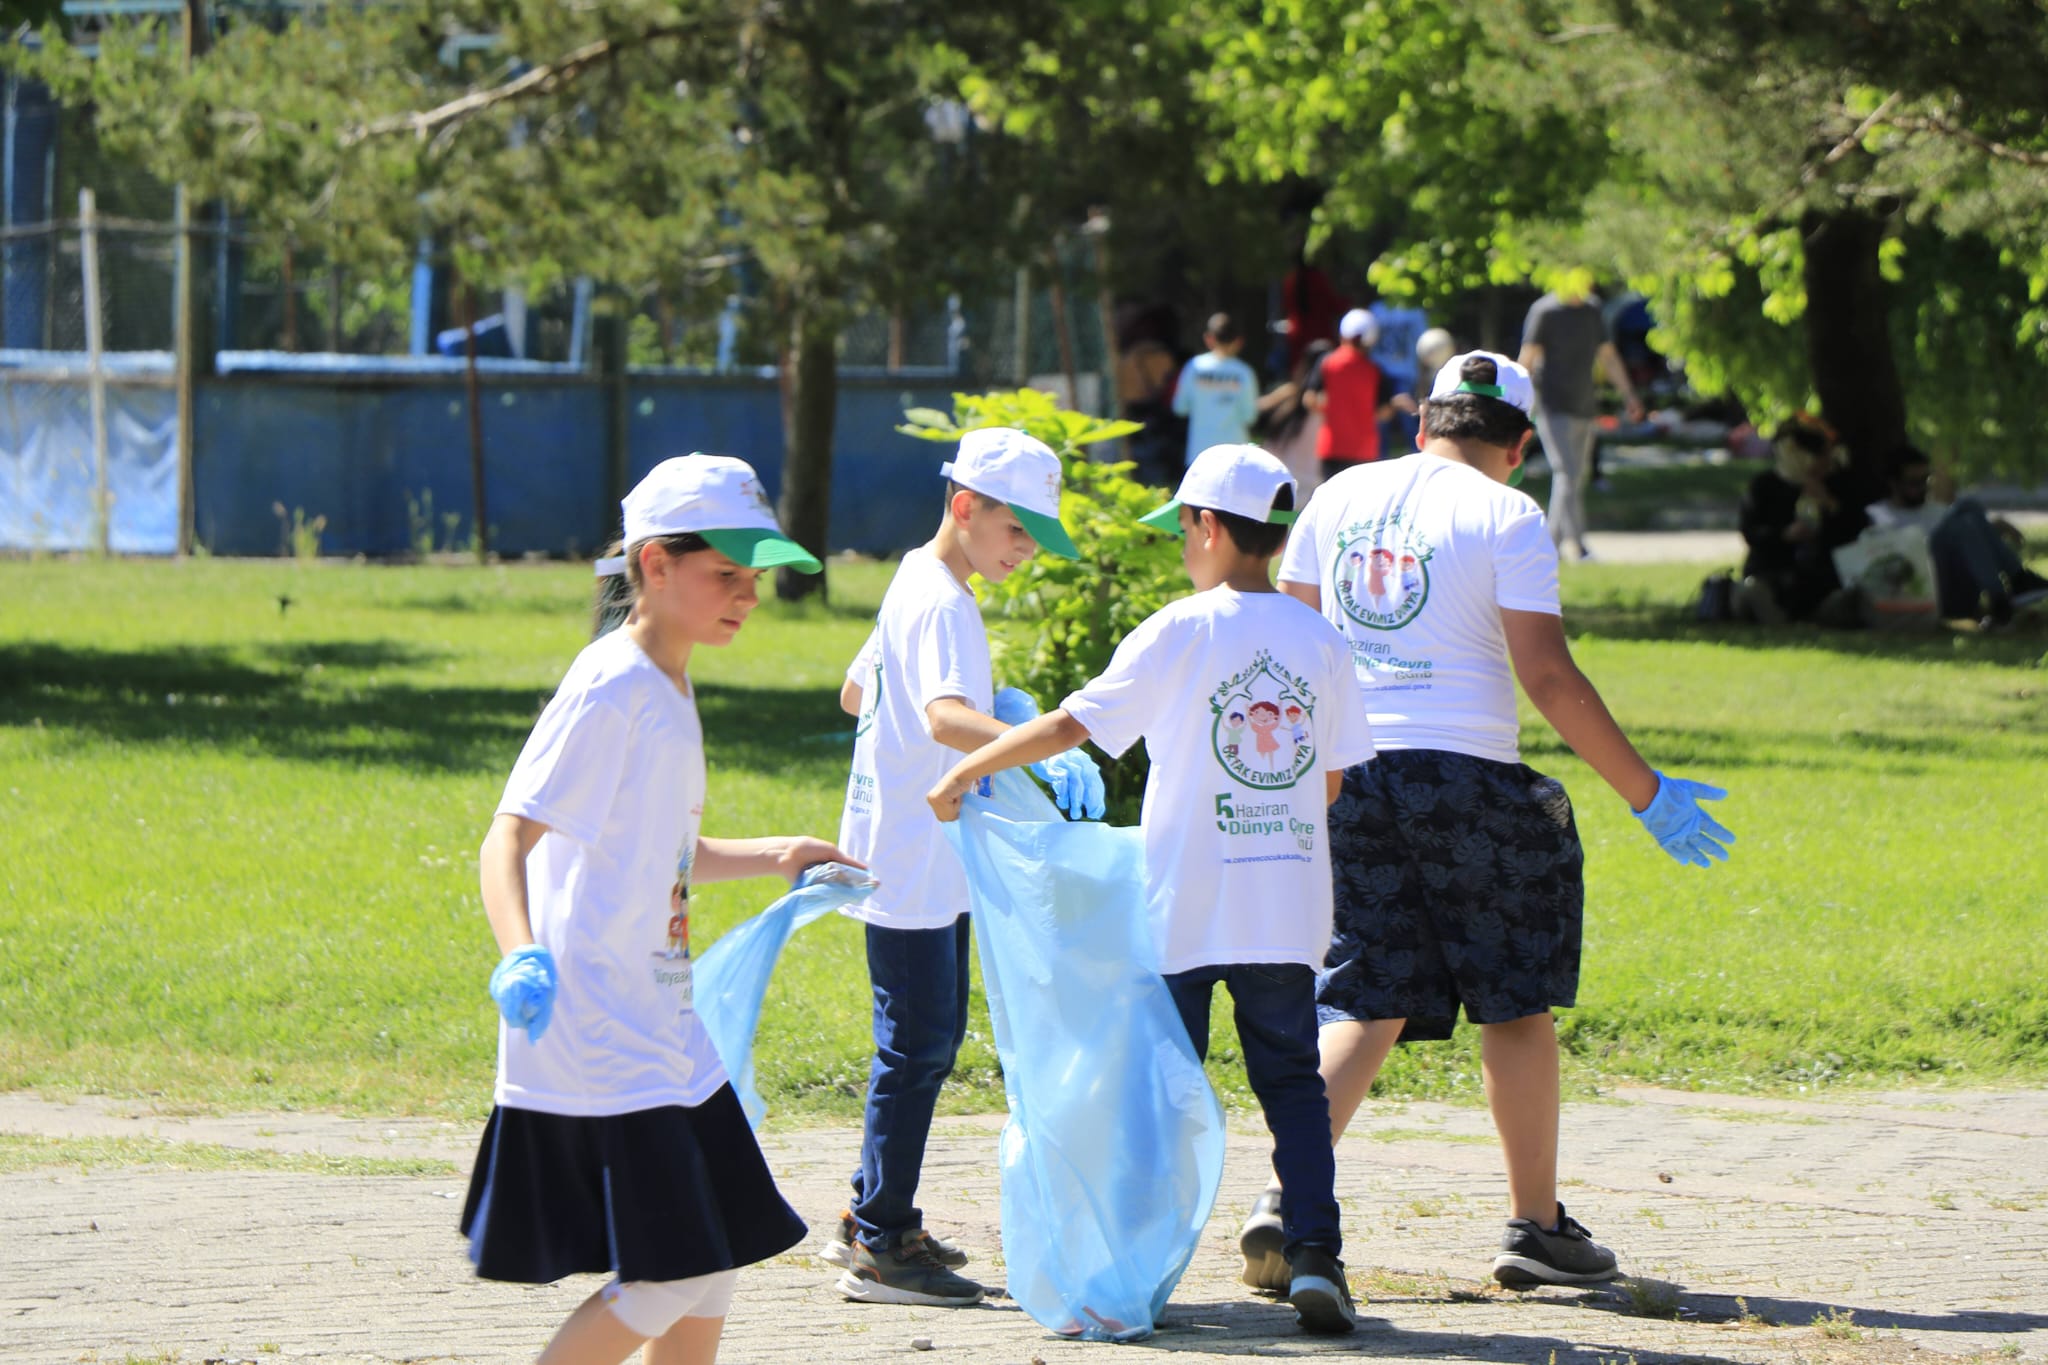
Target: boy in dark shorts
point(1457, 867)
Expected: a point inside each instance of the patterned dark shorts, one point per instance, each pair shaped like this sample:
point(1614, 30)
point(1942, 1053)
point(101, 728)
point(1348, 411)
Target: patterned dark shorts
point(1458, 882)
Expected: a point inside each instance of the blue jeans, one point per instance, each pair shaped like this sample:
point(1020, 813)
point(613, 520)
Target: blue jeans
point(919, 977)
point(1275, 1005)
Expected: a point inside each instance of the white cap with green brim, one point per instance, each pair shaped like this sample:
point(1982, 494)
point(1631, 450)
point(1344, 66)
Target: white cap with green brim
point(1019, 471)
point(1241, 479)
point(1511, 382)
point(716, 497)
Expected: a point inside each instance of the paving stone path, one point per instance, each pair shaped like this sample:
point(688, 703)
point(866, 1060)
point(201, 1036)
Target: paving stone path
point(1879, 1228)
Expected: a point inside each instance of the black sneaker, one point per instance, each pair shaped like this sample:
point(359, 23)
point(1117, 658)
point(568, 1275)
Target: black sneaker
point(1530, 1256)
point(1320, 1294)
point(838, 1249)
point(1264, 1243)
point(910, 1274)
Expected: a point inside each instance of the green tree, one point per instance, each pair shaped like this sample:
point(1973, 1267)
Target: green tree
point(625, 141)
point(1829, 201)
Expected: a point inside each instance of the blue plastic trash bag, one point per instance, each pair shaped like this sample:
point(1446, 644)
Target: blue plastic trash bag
point(731, 979)
point(1114, 1148)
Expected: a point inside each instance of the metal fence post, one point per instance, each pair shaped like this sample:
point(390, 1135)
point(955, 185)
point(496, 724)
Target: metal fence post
point(96, 375)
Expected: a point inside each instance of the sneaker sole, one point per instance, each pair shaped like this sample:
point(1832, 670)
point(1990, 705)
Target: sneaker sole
point(1265, 1268)
point(841, 1254)
point(1319, 1307)
point(858, 1290)
point(1526, 1272)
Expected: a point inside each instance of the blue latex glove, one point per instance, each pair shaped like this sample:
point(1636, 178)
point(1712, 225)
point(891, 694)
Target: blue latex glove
point(1076, 784)
point(523, 984)
point(1014, 706)
point(1680, 827)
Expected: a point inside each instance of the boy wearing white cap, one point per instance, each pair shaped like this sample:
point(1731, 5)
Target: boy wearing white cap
point(923, 692)
point(1457, 866)
point(1248, 710)
point(1353, 396)
point(616, 1145)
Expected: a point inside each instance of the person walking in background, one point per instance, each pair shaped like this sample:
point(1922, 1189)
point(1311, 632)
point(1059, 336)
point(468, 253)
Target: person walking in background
point(1218, 393)
point(1563, 338)
point(1352, 396)
point(1288, 427)
point(1145, 371)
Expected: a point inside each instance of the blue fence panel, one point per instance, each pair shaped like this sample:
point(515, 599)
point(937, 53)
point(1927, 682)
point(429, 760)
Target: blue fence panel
point(47, 483)
point(380, 449)
point(373, 458)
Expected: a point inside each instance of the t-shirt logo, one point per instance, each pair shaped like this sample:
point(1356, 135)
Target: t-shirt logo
point(1381, 573)
point(1261, 732)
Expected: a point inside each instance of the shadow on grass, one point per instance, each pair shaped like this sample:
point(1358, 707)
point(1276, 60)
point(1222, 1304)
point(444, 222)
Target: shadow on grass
point(320, 701)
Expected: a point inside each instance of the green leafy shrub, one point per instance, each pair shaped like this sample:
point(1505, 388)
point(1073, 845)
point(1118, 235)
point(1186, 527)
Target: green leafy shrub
point(1064, 618)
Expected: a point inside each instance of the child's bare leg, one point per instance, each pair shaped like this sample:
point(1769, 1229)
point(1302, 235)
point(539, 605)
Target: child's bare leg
point(1352, 1054)
point(692, 1341)
point(593, 1335)
point(1518, 1060)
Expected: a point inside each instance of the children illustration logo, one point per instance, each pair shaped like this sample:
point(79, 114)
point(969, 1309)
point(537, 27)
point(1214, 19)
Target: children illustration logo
point(1260, 733)
point(672, 960)
point(1381, 573)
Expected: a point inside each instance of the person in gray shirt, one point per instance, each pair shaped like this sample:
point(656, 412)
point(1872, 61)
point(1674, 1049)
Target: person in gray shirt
point(1563, 339)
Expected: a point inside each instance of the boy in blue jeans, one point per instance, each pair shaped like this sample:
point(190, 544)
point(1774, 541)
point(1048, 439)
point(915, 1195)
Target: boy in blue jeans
point(923, 692)
point(1237, 858)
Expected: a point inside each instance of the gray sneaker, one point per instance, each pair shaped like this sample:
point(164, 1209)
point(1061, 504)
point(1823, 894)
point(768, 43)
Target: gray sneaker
point(1530, 1256)
point(1264, 1242)
point(1320, 1293)
point(910, 1274)
point(837, 1249)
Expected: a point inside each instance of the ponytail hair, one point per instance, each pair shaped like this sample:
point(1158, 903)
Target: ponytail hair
point(618, 578)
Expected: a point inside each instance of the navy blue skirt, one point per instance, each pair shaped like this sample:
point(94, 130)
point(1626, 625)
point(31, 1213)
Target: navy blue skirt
point(658, 1194)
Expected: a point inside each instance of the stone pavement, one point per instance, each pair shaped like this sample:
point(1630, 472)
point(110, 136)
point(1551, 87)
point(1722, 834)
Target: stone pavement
point(1766, 1231)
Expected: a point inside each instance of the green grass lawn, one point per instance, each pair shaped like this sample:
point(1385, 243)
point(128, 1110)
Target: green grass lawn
point(237, 841)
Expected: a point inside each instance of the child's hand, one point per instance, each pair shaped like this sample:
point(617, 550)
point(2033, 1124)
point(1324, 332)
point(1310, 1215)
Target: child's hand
point(945, 798)
point(523, 985)
point(802, 851)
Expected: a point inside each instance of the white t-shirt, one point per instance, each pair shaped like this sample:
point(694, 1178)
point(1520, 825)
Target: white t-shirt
point(1244, 701)
point(1415, 559)
point(928, 643)
point(615, 770)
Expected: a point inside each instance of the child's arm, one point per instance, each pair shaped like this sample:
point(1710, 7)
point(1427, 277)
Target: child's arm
point(957, 725)
point(776, 855)
point(1055, 732)
point(1333, 785)
point(1555, 686)
point(501, 865)
point(849, 697)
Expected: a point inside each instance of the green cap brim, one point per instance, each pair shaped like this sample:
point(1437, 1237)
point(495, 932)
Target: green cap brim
point(1166, 519)
point(1048, 532)
point(753, 548)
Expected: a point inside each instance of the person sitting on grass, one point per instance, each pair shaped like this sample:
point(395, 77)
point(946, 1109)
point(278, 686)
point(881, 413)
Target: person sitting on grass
point(1237, 863)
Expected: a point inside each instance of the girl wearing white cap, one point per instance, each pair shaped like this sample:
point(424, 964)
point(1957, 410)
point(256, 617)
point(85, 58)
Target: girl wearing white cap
point(1457, 867)
point(616, 1144)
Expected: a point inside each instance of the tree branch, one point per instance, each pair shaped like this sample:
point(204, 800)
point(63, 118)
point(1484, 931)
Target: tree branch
point(544, 79)
point(1938, 126)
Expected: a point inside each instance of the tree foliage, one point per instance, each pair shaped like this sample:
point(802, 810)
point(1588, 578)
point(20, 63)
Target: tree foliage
point(1700, 153)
